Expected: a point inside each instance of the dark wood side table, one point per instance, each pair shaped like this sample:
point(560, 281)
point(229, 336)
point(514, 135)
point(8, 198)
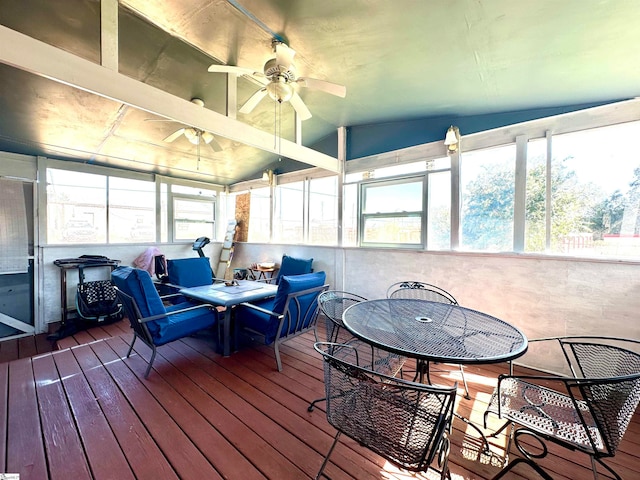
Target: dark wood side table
point(262, 273)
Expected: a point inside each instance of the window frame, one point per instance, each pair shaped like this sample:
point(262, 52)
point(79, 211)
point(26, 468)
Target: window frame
point(162, 187)
point(421, 214)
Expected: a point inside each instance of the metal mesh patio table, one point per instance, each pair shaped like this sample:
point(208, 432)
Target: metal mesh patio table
point(434, 331)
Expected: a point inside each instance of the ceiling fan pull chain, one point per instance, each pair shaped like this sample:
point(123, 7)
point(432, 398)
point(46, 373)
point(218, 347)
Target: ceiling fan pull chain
point(198, 153)
point(279, 129)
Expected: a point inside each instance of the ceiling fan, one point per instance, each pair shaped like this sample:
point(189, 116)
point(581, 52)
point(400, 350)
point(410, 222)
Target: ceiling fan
point(195, 135)
point(280, 81)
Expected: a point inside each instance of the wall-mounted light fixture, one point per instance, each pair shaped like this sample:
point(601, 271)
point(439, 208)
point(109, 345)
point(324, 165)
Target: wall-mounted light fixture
point(267, 176)
point(452, 140)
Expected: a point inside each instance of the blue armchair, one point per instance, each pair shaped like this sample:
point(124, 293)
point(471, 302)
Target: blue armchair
point(153, 322)
point(293, 311)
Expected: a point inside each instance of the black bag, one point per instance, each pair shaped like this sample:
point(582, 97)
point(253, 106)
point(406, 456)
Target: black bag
point(98, 301)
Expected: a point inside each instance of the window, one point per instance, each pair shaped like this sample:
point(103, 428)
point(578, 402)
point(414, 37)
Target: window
point(323, 211)
point(259, 215)
point(595, 192)
point(487, 179)
point(193, 212)
point(536, 191)
point(288, 220)
point(76, 207)
point(132, 211)
point(392, 213)
point(439, 211)
point(84, 207)
point(350, 216)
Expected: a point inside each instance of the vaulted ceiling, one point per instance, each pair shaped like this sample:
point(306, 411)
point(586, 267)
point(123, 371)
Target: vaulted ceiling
point(399, 60)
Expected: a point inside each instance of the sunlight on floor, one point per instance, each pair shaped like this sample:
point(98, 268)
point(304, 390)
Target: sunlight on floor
point(456, 376)
point(391, 472)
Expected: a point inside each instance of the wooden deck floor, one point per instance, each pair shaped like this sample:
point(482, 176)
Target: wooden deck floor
point(86, 412)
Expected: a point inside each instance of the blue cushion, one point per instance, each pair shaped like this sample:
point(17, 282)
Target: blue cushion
point(137, 283)
point(294, 266)
point(190, 272)
point(267, 325)
point(296, 283)
point(183, 324)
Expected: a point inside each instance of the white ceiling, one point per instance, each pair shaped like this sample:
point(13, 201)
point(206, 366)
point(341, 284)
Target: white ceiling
point(400, 60)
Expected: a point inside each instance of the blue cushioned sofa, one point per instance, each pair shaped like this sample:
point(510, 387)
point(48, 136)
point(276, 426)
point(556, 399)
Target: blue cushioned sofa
point(294, 310)
point(153, 322)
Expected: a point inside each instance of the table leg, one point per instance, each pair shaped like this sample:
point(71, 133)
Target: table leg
point(226, 333)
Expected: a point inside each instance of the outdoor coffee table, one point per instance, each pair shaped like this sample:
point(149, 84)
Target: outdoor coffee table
point(227, 295)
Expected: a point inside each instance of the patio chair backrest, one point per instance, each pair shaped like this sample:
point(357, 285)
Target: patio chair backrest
point(405, 422)
point(612, 388)
point(290, 266)
point(420, 291)
point(332, 304)
point(137, 283)
point(132, 312)
point(190, 272)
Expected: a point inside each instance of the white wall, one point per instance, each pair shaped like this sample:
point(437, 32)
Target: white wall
point(542, 296)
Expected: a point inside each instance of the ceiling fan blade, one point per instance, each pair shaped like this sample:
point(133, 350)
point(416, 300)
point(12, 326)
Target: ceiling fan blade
point(158, 120)
point(210, 140)
point(299, 106)
point(253, 101)
point(284, 55)
point(323, 85)
point(230, 69)
point(174, 135)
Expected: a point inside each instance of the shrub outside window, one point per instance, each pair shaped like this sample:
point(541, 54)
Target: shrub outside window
point(487, 183)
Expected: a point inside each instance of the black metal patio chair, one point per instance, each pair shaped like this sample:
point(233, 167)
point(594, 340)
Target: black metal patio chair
point(433, 293)
point(588, 411)
point(332, 304)
point(406, 423)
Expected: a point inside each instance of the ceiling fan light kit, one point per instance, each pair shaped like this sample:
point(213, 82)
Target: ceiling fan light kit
point(280, 81)
point(195, 135)
point(279, 89)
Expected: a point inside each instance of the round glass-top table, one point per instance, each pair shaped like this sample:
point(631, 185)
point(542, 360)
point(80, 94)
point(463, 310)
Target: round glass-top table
point(434, 331)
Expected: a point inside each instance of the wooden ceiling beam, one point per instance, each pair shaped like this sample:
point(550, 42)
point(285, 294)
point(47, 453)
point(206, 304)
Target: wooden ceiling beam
point(26, 53)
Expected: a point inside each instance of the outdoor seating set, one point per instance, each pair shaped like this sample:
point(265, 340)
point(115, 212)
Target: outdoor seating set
point(271, 312)
point(365, 349)
point(408, 422)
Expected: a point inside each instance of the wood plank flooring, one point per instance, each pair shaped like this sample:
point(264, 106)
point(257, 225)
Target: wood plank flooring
point(24, 347)
point(86, 412)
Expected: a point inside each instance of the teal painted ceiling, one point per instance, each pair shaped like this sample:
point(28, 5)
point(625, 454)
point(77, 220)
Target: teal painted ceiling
point(400, 60)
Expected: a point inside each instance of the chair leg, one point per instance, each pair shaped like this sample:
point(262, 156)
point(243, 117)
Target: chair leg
point(326, 459)
point(153, 357)
point(276, 349)
point(518, 460)
point(595, 470)
point(312, 404)
point(131, 346)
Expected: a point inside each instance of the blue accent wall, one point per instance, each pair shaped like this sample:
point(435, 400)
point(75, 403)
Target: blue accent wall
point(365, 140)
